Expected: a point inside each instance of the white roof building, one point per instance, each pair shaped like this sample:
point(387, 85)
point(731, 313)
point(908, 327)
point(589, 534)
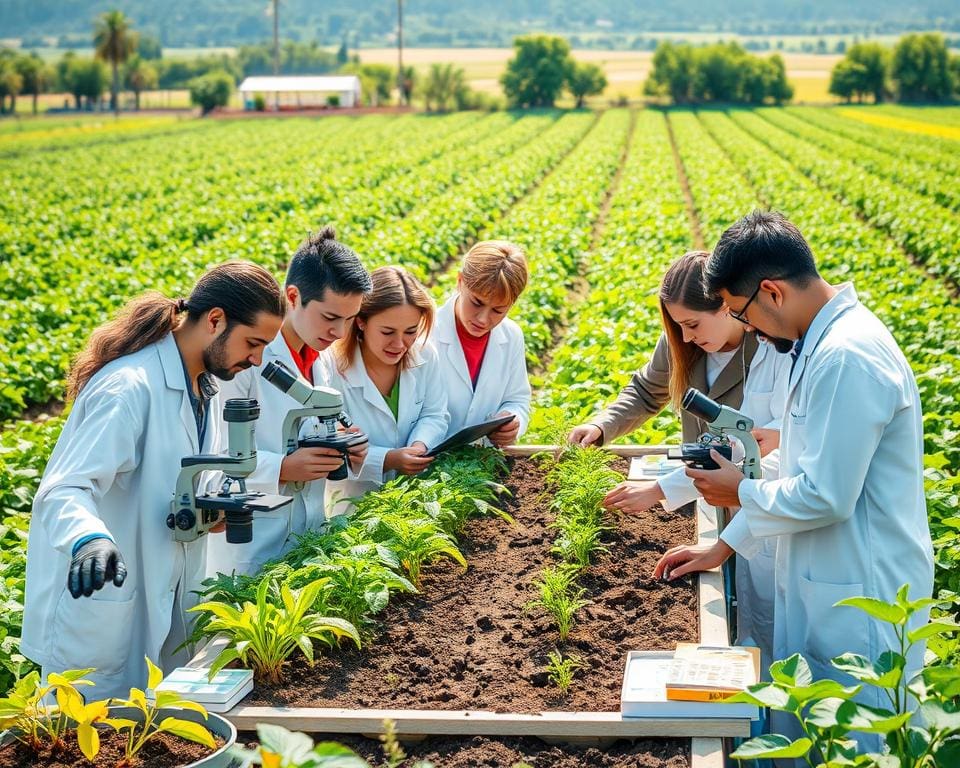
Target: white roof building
point(302, 91)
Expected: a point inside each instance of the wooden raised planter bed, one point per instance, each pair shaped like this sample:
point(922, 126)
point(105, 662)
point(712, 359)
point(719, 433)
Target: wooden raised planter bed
point(577, 724)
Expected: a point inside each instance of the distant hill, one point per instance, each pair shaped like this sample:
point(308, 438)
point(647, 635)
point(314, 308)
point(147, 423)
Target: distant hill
point(462, 23)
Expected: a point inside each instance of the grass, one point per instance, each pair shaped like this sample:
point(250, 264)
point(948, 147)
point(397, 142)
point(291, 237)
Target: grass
point(884, 119)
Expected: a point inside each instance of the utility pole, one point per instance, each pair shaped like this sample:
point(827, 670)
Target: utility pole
point(276, 49)
point(400, 83)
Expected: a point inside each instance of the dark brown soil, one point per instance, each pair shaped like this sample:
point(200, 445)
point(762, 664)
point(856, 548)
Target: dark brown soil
point(470, 642)
point(163, 751)
point(482, 752)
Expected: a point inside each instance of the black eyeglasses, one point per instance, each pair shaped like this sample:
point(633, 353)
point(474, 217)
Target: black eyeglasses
point(740, 315)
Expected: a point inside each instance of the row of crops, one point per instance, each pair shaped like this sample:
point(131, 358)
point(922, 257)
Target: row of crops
point(89, 220)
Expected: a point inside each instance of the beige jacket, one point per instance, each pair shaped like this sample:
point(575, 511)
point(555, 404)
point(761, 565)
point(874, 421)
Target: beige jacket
point(648, 392)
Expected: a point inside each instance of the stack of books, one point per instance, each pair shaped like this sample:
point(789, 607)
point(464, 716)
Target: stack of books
point(221, 694)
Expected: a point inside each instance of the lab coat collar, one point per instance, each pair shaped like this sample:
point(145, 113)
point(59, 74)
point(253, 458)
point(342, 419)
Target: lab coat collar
point(845, 300)
point(445, 336)
point(172, 364)
point(278, 350)
point(356, 376)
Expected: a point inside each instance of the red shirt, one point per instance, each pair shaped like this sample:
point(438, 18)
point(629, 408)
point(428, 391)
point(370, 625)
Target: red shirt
point(473, 350)
point(304, 359)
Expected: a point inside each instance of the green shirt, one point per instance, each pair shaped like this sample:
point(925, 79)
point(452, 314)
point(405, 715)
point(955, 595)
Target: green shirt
point(393, 399)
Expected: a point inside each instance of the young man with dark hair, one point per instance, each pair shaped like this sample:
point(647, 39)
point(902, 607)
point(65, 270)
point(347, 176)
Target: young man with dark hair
point(848, 505)
point(324, 286)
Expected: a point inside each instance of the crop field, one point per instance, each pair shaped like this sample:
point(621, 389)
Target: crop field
point(93, 213)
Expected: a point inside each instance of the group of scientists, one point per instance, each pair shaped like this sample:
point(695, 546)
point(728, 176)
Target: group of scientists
point(839, 512)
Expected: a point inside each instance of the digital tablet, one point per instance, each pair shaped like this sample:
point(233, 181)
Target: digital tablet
point(468, 434)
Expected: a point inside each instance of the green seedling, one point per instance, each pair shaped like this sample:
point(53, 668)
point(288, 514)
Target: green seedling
point(561, 670)
point(560, 597)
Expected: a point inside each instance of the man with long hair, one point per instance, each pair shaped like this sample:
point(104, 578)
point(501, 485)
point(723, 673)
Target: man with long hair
point(107, 584)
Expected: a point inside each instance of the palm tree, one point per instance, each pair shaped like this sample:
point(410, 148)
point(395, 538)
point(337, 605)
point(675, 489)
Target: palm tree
point(141, 76)
point(115, 42)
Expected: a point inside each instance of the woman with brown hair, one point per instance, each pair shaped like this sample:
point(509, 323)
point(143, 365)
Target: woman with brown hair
point(703, 346)
point(143, 398)
point(390, 379)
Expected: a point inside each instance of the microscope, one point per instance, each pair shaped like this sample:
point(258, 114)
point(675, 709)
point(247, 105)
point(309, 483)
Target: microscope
point(324, 403)
point(191, 515)
point(724, 422)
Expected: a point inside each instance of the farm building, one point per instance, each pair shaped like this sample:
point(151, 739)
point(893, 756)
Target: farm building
point(302, 91)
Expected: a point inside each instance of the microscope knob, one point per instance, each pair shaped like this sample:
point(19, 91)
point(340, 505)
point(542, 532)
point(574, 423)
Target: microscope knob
point(184, 520)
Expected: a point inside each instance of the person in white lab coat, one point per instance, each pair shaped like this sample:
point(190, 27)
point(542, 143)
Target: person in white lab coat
point(704, 348)
point(106, 583)
point(482, 352)
point(324, 286)
point(848, 505)
point(390, 378)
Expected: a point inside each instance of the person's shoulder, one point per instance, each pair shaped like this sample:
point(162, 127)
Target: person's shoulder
point(860, 341)
point(129, 379)
point(512, 330)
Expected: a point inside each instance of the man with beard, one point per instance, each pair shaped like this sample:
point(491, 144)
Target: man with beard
point(143, 398)
point(848, 505)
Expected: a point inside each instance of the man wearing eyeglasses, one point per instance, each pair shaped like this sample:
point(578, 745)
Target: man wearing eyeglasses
point(848, 506)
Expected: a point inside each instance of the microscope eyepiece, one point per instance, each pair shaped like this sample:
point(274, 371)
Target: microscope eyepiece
point(279, 375)
point(239, 410)
point(700, 405)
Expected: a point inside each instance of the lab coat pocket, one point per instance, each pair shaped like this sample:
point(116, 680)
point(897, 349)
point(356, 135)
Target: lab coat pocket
point(93, 631)
point(828, 631)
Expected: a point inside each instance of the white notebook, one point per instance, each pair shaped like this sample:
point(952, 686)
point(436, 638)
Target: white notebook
point(221, 694)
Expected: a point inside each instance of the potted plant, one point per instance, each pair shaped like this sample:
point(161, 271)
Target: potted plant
point(109, 733)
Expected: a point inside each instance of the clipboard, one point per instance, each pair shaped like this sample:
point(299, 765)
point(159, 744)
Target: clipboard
point(468, 435)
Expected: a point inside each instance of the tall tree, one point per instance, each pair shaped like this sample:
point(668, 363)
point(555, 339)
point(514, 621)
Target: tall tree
point(586, 80)
point(874, 63)
point(538, 71)
point(141, 76)
point(445, 83)
point(114, 41)
point(921, 68)
point(36, 76)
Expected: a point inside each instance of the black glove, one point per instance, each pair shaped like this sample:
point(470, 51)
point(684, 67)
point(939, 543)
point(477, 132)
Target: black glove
point(94, 564)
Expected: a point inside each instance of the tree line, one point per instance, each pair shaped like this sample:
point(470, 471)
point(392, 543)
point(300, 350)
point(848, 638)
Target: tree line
point(919, 68)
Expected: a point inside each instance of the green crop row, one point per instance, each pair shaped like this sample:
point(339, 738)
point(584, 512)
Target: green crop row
point(554, 225)
point(914, 221)
point(616, 325)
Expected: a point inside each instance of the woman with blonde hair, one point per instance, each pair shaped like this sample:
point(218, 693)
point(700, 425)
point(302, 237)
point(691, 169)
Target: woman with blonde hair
point(482, 353)
point(389, 375)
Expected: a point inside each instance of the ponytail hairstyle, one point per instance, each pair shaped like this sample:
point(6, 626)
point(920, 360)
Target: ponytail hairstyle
point(683, 285)
point(392, 287)
point(241, 289)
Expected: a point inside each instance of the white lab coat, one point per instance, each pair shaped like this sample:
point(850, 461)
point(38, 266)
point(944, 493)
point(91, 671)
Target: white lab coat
point(502, 384)
point(849, 504)
point(273, 532)
point(422, 416)
point(764, 401)
point(113, 471)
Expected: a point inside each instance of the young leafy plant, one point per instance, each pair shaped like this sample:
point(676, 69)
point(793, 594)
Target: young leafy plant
point(921, 727)
point(417, 542)
point(561, 670)
point(26, 716)
point(264, 635)
point(560, 597)
point(139, 733)
point(578, 541)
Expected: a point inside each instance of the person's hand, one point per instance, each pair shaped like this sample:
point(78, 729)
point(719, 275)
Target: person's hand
point(358, 453)
point(634, 496)
point(94, 564)
point(767, 439)
point(719, 487)
point(409, 460)
point(585, 434)
point(689, 558)
point(306, 464)
point(507, 434)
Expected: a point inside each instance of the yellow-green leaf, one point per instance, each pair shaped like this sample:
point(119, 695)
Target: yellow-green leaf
point(188, 730)
point(154, 674)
